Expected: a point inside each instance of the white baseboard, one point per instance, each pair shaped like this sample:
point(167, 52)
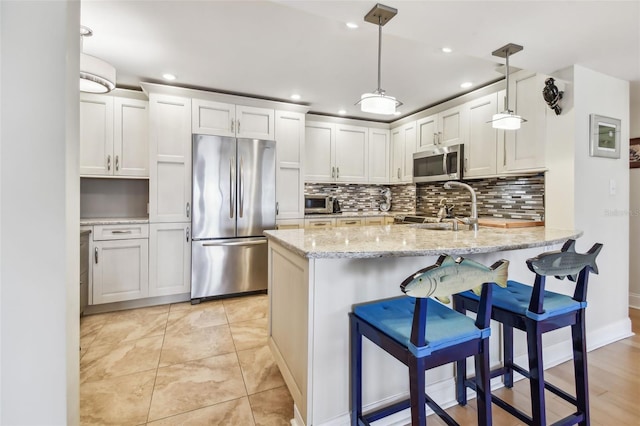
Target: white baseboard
point(634, 300)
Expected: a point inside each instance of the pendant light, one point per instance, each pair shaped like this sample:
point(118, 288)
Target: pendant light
point(378, 102)
point(507, 119)
point(96, 75)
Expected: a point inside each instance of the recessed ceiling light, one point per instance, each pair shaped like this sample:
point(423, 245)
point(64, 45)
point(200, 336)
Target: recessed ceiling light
point(295, 97)
point(466, 84)
point(168, 76)
point(397, 113)
point(447, 50)
point(342, 112)
point(352, 25)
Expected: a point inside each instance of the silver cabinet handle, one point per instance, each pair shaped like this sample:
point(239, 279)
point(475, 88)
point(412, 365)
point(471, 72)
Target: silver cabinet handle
point(108, 162)
point(337, 172)
point(232, 200)
point(188, 209)
point(238, 126)
point(241, 189)
point(121, 232)
point(434, 139)
point(117, 163)
point(95, 255)
point(236, 243)
point(333, 172)
point(187, 233)
point(351, 222)
point(439, 138)
point(277, 208)
point(466, 162)
point(232, 125)
point(398, 172)
point(320, 224)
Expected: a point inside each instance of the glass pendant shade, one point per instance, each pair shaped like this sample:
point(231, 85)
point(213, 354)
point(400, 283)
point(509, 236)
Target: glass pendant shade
point(506, 121)
point(378, 103)
point(96, 75)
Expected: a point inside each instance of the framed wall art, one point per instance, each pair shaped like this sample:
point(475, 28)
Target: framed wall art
point(604, 136)
point(634, 153)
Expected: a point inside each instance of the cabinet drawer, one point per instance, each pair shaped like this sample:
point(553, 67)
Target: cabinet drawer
point(319, 223)
point(349, 222)
point(120, 232)
point(379, 220)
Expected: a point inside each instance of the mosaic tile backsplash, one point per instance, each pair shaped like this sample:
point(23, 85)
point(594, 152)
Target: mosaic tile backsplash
point(366, 198)
point(518, 197)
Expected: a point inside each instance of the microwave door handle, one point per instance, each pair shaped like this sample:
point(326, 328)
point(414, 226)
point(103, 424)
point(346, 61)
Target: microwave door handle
point(444, 164)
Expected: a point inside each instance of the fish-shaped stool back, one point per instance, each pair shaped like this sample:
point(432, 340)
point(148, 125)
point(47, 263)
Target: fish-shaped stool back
point(565, 262)
point(450, 276)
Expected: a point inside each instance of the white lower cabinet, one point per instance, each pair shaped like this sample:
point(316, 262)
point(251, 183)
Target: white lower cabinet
point(289, 223)
point(320, 223)
point(169, 259)
point(120, 270)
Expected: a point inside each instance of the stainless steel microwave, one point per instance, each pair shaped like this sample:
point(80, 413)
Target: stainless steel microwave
point(443, 163)
point(314, 204)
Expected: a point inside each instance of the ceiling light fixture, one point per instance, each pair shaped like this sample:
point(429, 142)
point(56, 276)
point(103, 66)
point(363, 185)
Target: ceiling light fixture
point(169, 77)
point(447, 50)
point(295, 97)
point(466, 85)
point(352, 25)
point(342, 112)
point(378, 102)
point(507, 119)
point(96, 75)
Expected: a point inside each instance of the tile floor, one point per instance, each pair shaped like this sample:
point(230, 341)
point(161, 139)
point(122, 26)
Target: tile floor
point(182, 365)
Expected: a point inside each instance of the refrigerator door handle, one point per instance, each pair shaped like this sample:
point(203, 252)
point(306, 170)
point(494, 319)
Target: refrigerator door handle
point(241, 189)
point(231, 194)
point(235, 243)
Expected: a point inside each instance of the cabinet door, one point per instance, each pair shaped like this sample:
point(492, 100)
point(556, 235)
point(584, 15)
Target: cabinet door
point(131, 137)
point(169, 259)
point(96, 134)
point(451, 126)
point(254, 123)
point(524, 148)
point(397, 154)
point(213, 118)
point(170, 149)
point(352, 153)
point(289, 173)
point(482, 139)
point(319, 152)
point(427, 133)
point(120, 270)
point(379, 155)
point(410, 137)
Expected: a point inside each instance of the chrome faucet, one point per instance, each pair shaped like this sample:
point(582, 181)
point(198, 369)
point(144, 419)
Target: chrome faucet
point(473, 220)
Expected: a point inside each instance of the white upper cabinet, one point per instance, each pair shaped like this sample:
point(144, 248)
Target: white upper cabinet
point(442, 129)
point(319, 152)
point(170, 153)
point(290, 146)
point(114, 137)
point(352, 153)
point(523, 149)
point(222, 119)
point(403, 146)
point(379, 148)
point(482, 138)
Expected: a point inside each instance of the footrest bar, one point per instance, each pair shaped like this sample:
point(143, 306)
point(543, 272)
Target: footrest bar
point(562, 394)
point(572, 419)
point(520, 415)
point(440, 412)
point(386, 411)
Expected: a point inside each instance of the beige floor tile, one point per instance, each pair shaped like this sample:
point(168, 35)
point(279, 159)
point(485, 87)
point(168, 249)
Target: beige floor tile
point(250, 334)
point(196, 384)
point(246, 308)
point(259, 370)
point(273, 407)
point(190, 318)
point(117, 400)
point(236, 412)
point(89, 327)
point(131, 326)
point(102, 361)
point(199, 343)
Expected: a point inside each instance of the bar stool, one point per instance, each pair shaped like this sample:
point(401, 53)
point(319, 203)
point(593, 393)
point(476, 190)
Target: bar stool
point(537, 311)
point(422, 333)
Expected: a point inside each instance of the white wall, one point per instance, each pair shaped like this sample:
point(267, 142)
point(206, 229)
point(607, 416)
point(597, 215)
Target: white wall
point(39, 336)
point(634, 201)
point(601, 215)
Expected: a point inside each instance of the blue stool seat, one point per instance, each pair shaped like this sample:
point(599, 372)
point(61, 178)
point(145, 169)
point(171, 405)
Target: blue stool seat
point(446, 326)
point(516, 297)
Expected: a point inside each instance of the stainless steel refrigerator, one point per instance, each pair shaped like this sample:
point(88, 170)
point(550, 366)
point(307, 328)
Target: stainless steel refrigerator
point(234, 201)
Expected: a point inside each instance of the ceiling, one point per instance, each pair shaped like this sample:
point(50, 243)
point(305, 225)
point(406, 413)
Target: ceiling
point(273, 49)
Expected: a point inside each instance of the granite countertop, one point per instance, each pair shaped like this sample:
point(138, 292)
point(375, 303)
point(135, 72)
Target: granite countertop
point(112, 220)
point(405, 240)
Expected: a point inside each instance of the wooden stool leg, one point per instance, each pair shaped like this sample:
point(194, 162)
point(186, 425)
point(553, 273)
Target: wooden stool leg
point(417, 389)
point(536, 371)
point(483, 385)
point(580, 367)
point(356, 372)
point(507, 354)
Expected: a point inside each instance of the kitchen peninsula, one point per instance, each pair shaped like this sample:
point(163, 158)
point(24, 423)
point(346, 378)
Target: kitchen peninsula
point(315, 276)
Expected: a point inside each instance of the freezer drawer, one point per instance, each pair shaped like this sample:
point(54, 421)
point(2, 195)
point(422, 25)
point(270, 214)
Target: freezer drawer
point(221, 267)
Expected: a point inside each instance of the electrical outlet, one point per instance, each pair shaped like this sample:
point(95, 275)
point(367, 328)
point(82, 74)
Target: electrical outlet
point(373, 204)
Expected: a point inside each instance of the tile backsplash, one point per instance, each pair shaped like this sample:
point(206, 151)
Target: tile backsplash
point(517, 197)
